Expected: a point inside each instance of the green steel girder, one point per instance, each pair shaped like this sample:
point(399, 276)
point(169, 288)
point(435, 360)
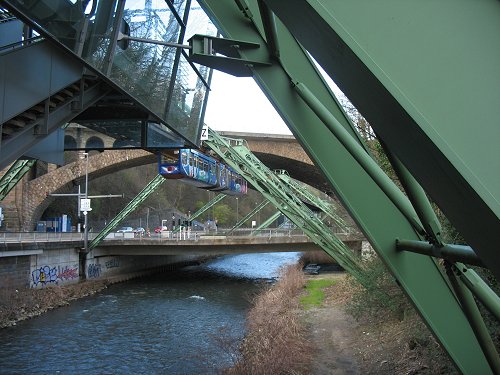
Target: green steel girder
point(301, 191)
point(15, 173)
point(376, 215)
point(131, 206)
point(207, 206)
point(252, 213)
point(421, 79)
point(269, 221)
point(240, 158)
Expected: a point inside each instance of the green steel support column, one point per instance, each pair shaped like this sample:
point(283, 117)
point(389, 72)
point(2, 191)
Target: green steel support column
point(270, 186)
point(131, 206)
point(358, 153)
point(252, 213)
point(15, 173)
point(419, 200)
point(477, 323)
point(416, 78)
point(269, 221)
point(379, 219)
point(479, 288)
point(207, 206)
point(325, 207)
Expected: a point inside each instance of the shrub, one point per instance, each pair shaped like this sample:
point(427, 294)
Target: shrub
point(275, 342)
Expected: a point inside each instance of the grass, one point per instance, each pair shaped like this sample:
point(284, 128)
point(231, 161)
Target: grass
point(315, 294)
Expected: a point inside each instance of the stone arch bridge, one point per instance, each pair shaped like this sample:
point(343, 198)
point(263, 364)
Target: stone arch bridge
point(29, 200)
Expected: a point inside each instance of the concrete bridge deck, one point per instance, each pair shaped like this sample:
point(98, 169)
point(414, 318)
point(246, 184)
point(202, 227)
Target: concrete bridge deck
point(200, 243)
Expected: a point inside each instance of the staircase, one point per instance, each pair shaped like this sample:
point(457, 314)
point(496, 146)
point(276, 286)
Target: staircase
point(43, 88)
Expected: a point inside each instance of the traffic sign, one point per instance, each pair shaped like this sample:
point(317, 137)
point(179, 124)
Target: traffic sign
point(85, 205)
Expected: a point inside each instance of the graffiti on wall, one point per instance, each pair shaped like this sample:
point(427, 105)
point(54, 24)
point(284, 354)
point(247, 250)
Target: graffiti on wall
point(46, 274)
point(93, 270)
point(113, 263)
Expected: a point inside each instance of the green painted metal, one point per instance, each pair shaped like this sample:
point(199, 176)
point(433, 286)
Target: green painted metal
point(419, 200)
point(470, 309)
point(15, 173)
point(207, 50)
point(269, 221)
point(421, 81)
point(450, 252)
point(364, 159)
point(207, 206)
point(130, 207)
point(241, 159)
point(479, 288)
point(306, 195)
point(379, 219)
point(252, 213)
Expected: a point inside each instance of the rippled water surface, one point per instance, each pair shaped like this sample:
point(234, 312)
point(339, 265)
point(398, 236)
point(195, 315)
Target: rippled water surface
point(166, 324)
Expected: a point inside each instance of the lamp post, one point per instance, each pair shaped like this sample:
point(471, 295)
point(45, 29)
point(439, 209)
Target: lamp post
point(86, 195)
point(237, 211)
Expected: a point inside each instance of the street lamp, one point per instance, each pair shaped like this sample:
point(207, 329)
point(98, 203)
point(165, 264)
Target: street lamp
point(237, 211)
point(86, 206)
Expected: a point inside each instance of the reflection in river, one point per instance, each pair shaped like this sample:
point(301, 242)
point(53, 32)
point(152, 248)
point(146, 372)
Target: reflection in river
point(164, 324)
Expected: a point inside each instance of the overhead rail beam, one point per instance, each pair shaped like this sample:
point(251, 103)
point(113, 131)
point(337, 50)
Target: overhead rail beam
point(130, 207)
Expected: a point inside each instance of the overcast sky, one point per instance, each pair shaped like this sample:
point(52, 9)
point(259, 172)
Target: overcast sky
point(237, 104)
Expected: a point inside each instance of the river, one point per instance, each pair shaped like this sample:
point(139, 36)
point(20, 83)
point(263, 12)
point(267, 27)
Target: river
point(175, 323)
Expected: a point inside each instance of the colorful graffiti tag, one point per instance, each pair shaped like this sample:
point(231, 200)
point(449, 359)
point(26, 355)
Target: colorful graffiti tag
point(47, 274)
point(93, 270)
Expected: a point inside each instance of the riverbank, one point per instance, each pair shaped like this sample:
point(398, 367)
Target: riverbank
point(373, 343)
point(21, 304)
point(284, 335)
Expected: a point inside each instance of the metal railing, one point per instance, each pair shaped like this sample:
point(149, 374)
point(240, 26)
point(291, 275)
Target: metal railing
point(36, 237)
point(219, 234)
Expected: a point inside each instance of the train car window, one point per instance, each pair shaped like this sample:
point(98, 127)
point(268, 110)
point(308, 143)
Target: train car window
point(184, 158)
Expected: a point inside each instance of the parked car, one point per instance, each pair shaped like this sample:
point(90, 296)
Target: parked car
point(312, 269)
point(160, 229)
point(125, 230)
point(139, 230)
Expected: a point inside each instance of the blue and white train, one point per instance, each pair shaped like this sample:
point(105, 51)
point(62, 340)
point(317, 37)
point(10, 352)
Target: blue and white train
point(198, 169)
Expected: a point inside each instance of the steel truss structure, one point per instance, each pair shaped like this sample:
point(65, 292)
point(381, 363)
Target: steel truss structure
point(417, 86)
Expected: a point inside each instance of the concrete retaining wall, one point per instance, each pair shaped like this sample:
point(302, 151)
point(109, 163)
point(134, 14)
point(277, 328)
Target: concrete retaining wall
point(15, 272)
point(54, 267)
point(109, 266)
point(63, 266)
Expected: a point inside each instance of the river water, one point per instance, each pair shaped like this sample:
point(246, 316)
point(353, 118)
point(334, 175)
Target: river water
point(176, 323)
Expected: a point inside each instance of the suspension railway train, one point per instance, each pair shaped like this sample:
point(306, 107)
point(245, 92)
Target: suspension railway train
point(198, 169)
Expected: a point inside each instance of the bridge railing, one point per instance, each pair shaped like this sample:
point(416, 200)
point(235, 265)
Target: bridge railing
point(219, 234)
point(35, 237)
